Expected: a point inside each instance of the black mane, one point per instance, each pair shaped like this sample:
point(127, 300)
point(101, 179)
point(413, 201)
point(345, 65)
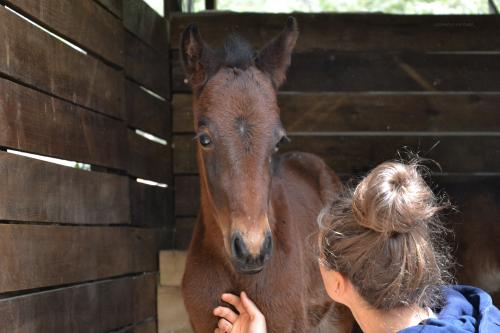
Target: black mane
point(237, 53)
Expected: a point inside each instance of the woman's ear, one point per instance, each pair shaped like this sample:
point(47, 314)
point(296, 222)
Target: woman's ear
point(335, 283)
point(275, 57)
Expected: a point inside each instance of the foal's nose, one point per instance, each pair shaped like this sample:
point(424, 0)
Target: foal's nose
point(247, 262)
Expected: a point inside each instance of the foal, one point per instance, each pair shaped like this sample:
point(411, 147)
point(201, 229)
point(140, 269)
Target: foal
point(258, 208)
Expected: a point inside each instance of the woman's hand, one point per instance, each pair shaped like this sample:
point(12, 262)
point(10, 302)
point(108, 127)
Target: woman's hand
point(249, 319)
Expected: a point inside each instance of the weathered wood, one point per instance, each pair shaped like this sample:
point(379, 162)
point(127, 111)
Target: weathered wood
point(146, 24)
point(148, 159)
point(339, 112)
point(333, 71)
point(184, 227)
point(84, 22)
point(39, 256)
point(32, 190)
point(38, 59)
point(151, 205)
point(114, 6)
point(187, 195)
point(148, 326)
point(91, 307)
point(37, 123)
point(172, 316)
point(359, 153)
point(147, 112)
point(147, 66)
point(351, 32)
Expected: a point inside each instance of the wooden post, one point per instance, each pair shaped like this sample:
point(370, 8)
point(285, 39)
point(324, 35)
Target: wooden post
point(210, 4)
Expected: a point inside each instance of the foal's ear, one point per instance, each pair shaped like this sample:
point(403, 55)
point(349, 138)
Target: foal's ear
point(194, 54)
point(276, 56)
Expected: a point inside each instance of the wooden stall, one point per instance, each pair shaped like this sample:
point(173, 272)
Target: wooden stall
point(365, 88)
point(79, 247)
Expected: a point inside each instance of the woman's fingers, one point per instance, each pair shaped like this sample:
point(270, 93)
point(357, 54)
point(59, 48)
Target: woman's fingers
point(234, 301)
point(250, 306)
point(226, 313)
point(224, 325)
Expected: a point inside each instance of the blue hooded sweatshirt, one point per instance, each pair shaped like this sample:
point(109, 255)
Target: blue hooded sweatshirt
point(467, 309)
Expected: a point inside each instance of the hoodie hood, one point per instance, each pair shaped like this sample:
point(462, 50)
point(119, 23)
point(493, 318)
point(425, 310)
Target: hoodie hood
point(466, 310)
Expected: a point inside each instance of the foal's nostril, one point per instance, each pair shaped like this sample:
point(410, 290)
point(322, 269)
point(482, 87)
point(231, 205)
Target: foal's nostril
point(268, 244)
point(239, 248)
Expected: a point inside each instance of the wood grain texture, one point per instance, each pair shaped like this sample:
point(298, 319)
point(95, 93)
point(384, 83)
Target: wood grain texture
point(84, 22)
point(146, 112)
point(34, 57)
point(32, 190)
point(146, 24)
point(359, 153)
point(184, 227)
point(320, 71)
point(34, 122)
point(351, 32)
point(339, 112)
point(148, 326)
point(149, 160)
point(147, 66)
point(91, 308)
point(151, 205)
point(144, 296)
point(40, 256)
point(114, 6)
point(187, 195)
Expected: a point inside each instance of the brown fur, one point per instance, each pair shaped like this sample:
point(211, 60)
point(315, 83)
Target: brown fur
point(247, 188)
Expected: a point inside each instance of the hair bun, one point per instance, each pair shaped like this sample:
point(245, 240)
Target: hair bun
point(393, 198)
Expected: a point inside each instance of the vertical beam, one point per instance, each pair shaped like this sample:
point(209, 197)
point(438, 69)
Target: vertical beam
point(210, 4)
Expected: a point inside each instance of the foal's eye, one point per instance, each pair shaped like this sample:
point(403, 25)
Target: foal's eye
point(284, 139)
point(205, 140)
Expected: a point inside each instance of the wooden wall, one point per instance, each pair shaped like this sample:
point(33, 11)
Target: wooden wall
point(79, 249)
point(363, 87)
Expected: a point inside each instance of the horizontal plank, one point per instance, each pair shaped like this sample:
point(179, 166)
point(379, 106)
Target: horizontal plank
point(34, 122)
point(187, 196)
point(351, 32)
point(359, 153)
point(32, 190)
point(458, 189)
point(146, 24)
point(147, 66)
point(90, 308)
point(339, 112)
point(40, 256)
point(151, 205)
point(172, 315)
point(146, 112)
point(34, 57)
point(149, 160)
point(114, 6)
point(148, 326)
point(84, 22)
point(321, 71)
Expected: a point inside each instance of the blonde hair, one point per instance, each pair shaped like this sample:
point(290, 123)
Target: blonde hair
point(385, 236)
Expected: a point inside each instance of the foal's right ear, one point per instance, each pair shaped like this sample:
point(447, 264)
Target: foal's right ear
point(194, 56)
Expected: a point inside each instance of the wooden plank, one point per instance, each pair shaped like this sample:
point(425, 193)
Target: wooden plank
point(144, 296)
point(39, 256)
point(359, 152)
point(149, 160)
point(32, 190)
point(37, 123)
point(184, 227)
point(146, 327)
point(172, 315)
point(321, 71)
point(83, 22)
point(34, 57)
point(351, 32)
point(151, 205)
point(172, 264)
point(146, 24)
point(146, 66)
point(339, 112)
point(147, 112)
point(114, 6)
point(187, 195)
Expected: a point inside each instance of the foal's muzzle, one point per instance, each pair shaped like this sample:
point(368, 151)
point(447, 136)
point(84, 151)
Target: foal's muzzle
point(246, 262)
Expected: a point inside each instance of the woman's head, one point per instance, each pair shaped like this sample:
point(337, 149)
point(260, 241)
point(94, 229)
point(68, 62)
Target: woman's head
point(384, 237)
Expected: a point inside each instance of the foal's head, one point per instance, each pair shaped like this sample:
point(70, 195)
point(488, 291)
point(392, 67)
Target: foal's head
point(238, 129)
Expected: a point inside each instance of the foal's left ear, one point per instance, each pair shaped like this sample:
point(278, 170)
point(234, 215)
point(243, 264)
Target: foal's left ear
point(196, 56)
point(276, 56)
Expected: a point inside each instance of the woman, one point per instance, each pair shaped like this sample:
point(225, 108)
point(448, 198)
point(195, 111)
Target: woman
point(383, 257)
